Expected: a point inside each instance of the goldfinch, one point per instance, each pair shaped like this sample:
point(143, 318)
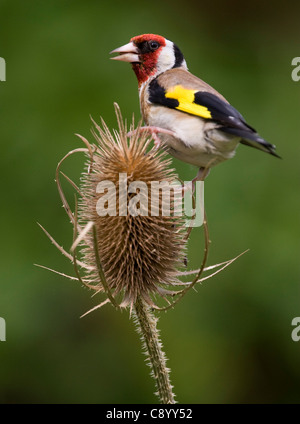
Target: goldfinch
point(195, 123)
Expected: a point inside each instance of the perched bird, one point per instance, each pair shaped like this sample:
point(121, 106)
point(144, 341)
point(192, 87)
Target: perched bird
point(195, 123)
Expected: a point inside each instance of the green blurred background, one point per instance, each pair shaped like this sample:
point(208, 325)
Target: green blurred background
point(231, 341)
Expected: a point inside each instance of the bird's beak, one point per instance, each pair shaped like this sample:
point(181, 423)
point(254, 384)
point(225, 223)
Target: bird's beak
point(127, 53)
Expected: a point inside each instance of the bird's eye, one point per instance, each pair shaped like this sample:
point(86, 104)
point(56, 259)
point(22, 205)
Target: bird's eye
point(153, 45)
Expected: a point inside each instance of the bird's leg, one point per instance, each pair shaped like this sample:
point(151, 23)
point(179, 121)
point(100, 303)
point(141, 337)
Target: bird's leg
point(154, 131)
point(201, 175)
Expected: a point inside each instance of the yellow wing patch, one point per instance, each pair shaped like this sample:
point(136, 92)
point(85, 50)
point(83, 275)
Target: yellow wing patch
point(186, 98)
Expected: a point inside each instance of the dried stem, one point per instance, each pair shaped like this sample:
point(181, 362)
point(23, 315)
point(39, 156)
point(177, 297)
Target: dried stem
point(146, 324)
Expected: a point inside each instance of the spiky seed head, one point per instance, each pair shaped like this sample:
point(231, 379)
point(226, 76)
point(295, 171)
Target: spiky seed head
point(139, 254)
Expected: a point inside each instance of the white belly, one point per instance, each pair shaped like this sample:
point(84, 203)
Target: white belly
point(196, 140)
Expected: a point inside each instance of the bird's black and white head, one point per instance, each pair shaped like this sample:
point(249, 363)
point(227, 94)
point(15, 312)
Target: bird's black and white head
point(150, 55)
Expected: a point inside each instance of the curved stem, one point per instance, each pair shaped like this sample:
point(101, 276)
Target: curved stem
point(146, 324)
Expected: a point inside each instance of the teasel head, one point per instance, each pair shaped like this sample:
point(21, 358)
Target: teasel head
point(127, 235)
point(128, 239)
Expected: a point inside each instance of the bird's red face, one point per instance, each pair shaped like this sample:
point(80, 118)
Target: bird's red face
point(147, 53)
point(150, 47)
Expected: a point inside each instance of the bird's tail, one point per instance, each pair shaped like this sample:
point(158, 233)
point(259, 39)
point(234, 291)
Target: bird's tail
point(251, 138)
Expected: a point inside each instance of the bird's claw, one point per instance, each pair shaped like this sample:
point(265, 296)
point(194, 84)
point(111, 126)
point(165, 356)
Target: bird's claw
point(157, 141)
point(154, 131)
